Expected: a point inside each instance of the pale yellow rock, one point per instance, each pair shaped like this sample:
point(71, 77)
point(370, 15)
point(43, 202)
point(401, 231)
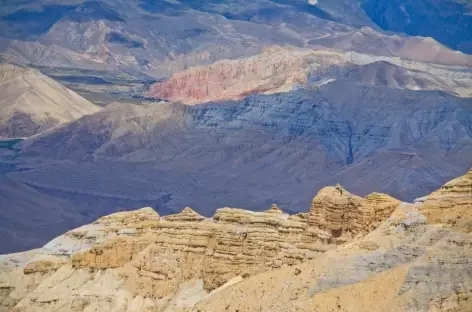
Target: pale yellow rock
point(251, 261)
point(451, 205)
point(338, 216)
point(186, 215)
point(274, 209)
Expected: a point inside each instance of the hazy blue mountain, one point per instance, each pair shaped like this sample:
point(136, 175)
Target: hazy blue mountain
point(449, 22)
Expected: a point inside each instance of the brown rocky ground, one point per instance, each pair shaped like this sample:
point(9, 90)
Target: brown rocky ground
point(238, 260)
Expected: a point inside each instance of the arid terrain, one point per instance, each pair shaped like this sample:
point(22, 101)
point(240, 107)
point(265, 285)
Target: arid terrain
point(32, 103)
point(346, 253)
point(116, 105)
point(236, 155)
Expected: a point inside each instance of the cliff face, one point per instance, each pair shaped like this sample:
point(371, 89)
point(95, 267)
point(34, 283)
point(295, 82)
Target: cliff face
point(246, 261)
point(131, 261)
point(411, 262)
point(338, 214)
point(450, 204)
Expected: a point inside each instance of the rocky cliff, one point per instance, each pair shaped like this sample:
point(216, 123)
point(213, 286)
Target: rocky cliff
point(416, 260)
point(135, 261)
point(240, 260)
point(450, 204)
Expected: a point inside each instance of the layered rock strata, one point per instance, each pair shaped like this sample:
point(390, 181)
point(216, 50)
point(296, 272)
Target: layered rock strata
point(157, 263)
point(357, 215)
point(416, 260)
point(451, 204)
point(275, 70)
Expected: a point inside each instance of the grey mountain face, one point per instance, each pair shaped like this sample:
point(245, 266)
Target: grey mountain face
point(157, 38)
point(264, 148)
point(449, 22)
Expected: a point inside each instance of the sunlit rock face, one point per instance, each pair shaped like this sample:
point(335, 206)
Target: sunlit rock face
point(373, 251)
point(282, 69)
point(417, 259)
point(450, 204)
point(276, 70)
point(177, 259)
point(448, 22)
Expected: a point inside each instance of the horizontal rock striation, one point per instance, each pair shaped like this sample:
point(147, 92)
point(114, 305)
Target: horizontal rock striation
point(246, 261)
point(340, 215)
point(142, 255)
point(411, 262)
point(451, 204)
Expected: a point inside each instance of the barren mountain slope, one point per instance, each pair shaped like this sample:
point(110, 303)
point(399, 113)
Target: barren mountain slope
point(32, 102)
point(449, 22)
point(367, 40)
point(241, 260)
point(162, 37)
point(281, 69)
point(260, 146)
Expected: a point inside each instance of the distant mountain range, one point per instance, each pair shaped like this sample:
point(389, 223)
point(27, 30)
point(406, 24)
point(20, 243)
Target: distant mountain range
point(160, 37)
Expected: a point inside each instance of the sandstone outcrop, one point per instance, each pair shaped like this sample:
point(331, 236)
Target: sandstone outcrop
point(338, 215)
point(411, 262)
point(240, 260)
point(171, 262)
point(451, 204)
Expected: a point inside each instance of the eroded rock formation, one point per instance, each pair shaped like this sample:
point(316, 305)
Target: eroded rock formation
point(411, 262)
point(414, 257)
point(339, 215)
point(153, 262)
point(451, 204)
